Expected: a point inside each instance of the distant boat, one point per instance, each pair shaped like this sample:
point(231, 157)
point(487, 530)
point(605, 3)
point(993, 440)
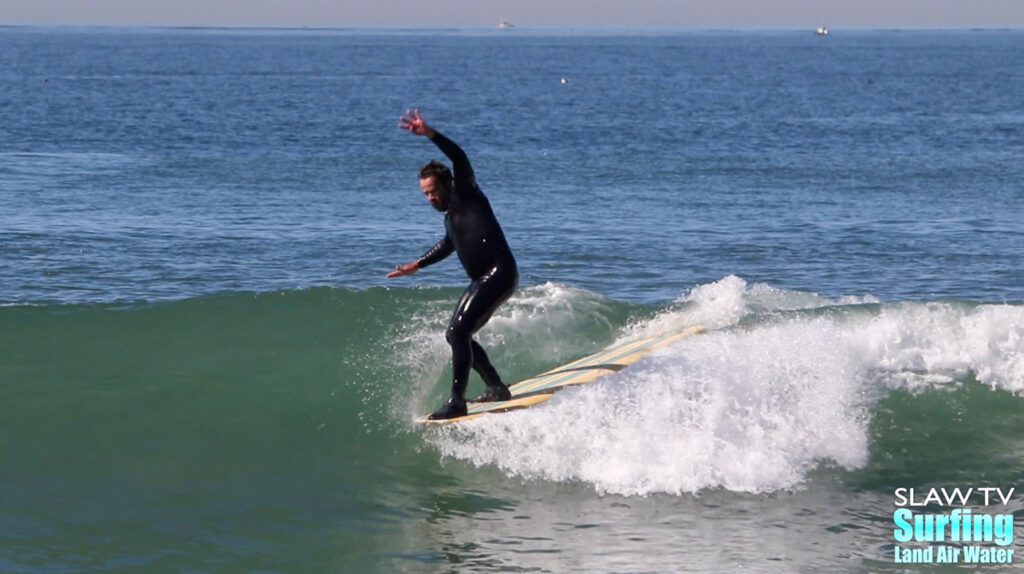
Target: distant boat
point(821, 31)
point(506, 24)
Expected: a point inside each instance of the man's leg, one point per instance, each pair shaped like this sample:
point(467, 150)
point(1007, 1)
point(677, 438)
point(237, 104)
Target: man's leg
point(478, 303)
point(496, 389)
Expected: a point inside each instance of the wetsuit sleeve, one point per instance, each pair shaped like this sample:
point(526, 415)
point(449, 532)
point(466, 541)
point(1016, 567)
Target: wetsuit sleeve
point(442, 249)
point(461, 168)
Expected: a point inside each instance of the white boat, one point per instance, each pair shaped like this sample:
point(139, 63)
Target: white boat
point(505, 24)
point(821, 31)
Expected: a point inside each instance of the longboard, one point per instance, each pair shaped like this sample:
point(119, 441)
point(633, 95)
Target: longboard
point(539, 388)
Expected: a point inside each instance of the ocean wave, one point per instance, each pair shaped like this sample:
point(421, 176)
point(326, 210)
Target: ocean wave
point(784, 383)
point(782, 386)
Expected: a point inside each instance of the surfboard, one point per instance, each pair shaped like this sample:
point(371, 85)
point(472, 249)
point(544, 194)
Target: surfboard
point(537, 389)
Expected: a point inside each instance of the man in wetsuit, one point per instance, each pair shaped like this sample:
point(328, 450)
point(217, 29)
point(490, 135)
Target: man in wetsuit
point(473, 233)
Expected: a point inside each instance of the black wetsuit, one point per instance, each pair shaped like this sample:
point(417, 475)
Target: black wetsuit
point(473, 233)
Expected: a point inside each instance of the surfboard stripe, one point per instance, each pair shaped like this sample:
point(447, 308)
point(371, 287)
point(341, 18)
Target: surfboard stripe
point(589, 361)
point(591, 367)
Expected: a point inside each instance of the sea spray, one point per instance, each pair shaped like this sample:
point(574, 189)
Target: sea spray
point(917, 346)
point(745, 412)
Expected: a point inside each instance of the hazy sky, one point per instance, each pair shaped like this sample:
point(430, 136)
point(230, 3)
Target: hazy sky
point(673, 13)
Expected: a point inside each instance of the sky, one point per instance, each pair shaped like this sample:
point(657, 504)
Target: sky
point(524, 13)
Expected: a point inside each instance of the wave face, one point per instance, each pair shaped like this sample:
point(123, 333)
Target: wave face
point(783, 383)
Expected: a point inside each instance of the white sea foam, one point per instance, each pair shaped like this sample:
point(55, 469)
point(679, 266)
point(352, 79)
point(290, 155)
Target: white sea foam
point(782, 383)
point(919, 346)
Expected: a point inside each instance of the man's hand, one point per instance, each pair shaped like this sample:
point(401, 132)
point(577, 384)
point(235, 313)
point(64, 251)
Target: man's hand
point(413, 121)
point(407, 269)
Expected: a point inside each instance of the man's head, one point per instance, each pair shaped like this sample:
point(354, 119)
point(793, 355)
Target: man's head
point(436, 183)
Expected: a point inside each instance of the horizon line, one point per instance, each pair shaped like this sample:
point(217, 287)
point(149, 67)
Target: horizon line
point(507, 30)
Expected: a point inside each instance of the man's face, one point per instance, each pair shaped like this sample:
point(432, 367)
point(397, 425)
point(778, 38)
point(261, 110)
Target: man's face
point(436, 194)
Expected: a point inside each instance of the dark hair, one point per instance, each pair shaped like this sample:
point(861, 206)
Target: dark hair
point(438, 170)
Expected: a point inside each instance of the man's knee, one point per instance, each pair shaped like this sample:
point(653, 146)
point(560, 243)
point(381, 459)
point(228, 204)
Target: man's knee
point(457, 334)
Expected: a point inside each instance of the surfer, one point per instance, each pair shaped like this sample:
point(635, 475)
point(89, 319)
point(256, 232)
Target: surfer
point(473, 233)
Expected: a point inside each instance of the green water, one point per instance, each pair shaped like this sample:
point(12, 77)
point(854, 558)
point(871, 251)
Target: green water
point(272, 432)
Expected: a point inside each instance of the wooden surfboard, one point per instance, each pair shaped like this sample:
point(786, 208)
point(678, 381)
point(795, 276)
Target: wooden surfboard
point(539, 388)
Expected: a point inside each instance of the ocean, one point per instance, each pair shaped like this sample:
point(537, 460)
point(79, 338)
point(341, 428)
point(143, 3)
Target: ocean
point(203, 367)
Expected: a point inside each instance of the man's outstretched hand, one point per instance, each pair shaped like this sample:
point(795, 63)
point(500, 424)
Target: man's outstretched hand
point(407, 269)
